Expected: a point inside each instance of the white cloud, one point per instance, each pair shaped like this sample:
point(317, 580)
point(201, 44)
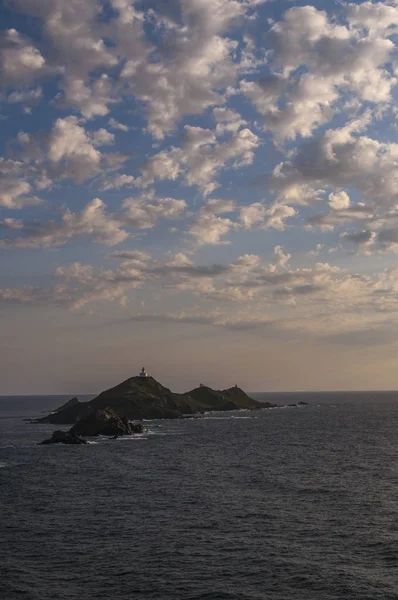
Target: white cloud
point(113, 124)
point(316, 62)
point(252, 215)
point(376, 17)
point(339, 159)
point(92, 221)
point(320, 301)
point(70, 148)
point(92, 100)
point(117, 182)
point(191, 77)
point(201, 158)
point(162, 166)
point(102, 137)
point(228, 120)
point(20, 61)
point(78, 21)
point(317, 250)
point(339, 201)
point(26, 97)
point(162, 63)
point(277, 215)
point(203, 165)
point(207, 228)
point(143, 212)
point(218, 206)
point(281, 259)
point(16, 193)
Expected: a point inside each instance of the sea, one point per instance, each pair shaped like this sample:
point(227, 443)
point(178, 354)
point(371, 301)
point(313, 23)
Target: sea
point(290, 503)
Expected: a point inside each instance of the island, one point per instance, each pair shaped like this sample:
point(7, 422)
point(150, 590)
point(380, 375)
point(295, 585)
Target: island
point(112, 413)
point(97, 421)
point(143, 398)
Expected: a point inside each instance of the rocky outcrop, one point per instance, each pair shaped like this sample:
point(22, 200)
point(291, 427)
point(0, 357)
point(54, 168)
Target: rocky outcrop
point(230, 399)
point(70, 412)
point(97, 422)
point(64, 437)
point(143, 398)
point(73, 402)
point(140, 398)
point(105, 422)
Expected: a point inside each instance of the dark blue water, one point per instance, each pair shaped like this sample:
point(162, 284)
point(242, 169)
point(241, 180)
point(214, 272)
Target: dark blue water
point(284, 504)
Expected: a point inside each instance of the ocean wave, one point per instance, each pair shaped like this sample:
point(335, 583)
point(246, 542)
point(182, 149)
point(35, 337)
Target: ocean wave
point(234, 417)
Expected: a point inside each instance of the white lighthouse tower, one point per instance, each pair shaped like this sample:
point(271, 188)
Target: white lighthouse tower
point(143, 373)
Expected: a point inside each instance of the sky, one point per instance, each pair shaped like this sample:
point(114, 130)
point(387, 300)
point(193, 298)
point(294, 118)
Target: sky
point(207, 188)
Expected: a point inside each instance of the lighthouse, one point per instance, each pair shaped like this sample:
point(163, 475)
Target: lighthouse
point(143, 373)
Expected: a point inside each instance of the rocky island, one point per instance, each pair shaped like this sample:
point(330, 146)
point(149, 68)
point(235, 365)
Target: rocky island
point(97, 421)
point(143, 397)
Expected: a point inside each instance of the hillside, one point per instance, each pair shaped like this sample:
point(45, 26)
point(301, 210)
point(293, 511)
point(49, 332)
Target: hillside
point(231, 399)
point(145, 398)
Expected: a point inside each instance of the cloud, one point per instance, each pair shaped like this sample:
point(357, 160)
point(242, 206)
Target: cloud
point(207, 228)
point(252, 215)
point(113, 124)
point(281, 259)
point(102, 137)
point(341, 157)
point(339, 201)
point(115, 54)
point(256, 215)
point(71, 150)
point(92, 100)
point(319, 301)
point(228, 120)
point(26, 97)
point(16, 193)
point(21, 63)
point(277, 215)
point(316, 62)
point(218, 206)
point(210, 319)
point(362, 240)
point(92, 221)
point(117, 182)
point(338, 159)
point(196, 66)
point(336, 217)
point(66, 151)
point(203, 89)
point(144, 212)
point(202, 165)
point(201, 158)
point(75, 62)
point(132, 255)
point(377, 18)
point(318, 249)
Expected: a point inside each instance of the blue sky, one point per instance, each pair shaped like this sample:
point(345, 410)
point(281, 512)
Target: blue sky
point(205, 187)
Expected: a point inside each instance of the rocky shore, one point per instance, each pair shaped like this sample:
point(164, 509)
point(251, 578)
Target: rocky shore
point(98, 422)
